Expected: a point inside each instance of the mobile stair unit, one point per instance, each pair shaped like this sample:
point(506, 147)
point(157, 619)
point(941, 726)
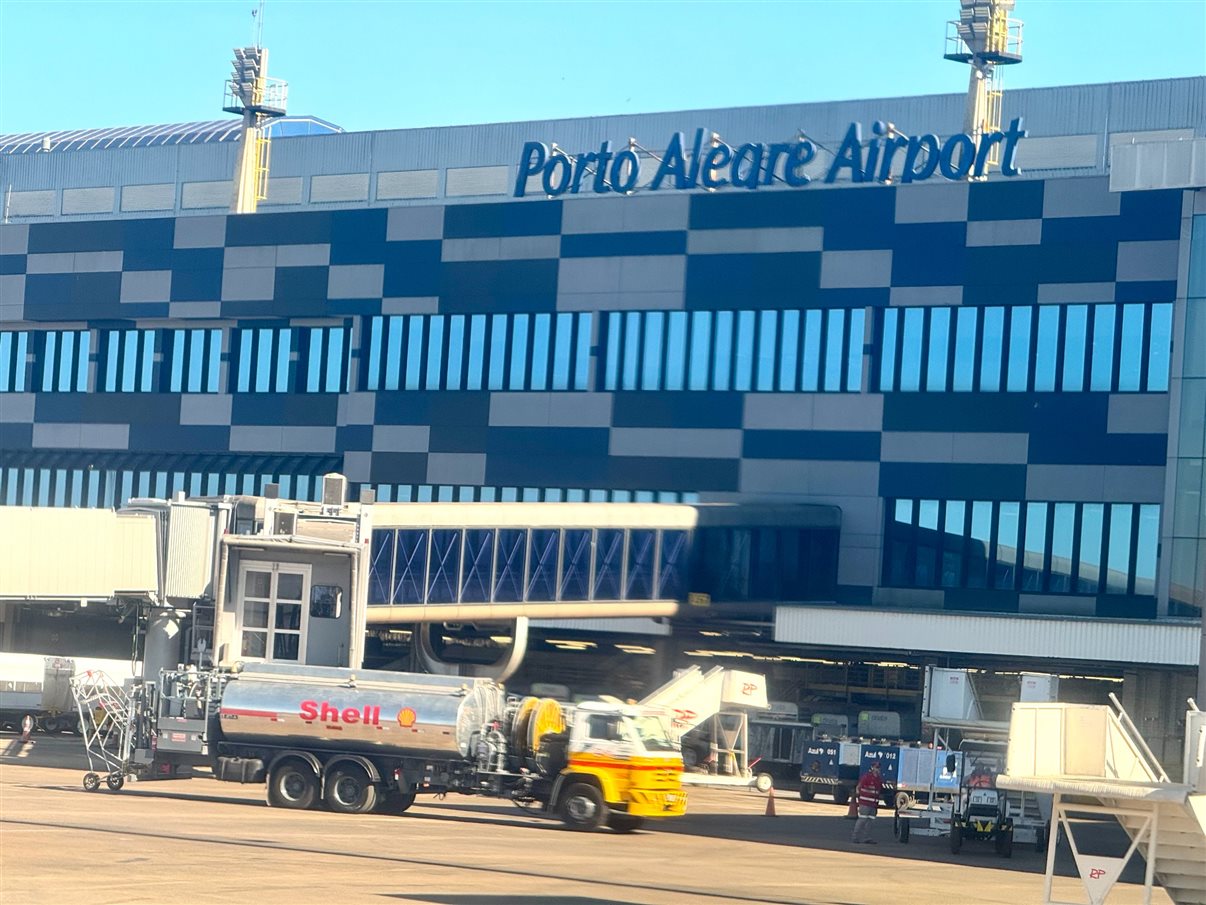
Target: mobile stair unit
point(717, 702)
point(1093, 760)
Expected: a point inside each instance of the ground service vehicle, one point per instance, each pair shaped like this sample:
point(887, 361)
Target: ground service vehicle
point(359, 741)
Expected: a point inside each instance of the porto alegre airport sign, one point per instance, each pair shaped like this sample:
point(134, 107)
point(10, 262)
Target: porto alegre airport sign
point(704, 163)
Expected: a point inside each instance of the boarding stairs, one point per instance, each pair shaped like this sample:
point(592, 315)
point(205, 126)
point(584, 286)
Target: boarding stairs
point(1093, 761)
point(720, 701)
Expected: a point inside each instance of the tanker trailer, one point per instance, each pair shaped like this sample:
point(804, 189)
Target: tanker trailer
point(359, 741)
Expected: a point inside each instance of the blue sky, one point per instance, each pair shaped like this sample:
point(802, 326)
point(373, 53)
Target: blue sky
point(392, 64)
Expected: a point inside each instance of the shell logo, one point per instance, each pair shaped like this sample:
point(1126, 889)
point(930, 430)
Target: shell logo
point(407, 717)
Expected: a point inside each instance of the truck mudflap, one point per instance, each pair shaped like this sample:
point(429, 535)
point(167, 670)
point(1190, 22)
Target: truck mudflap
point(657, 802)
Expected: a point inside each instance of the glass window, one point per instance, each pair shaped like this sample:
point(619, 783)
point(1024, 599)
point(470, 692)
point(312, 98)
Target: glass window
point(1101, 374)
point(435, 351)
point(925, 571)
point(910, 349)
point(632, 350)
point(393, 354)
point(215, 362)
point(990, 355)
point(952, 543)
point(641, 557)
point(519, 351)
point(414, 351)
point(1118, 566)
point(1063, 532)
point(1088, 577)
point(477, 352)
point(334, 375)
point(789, 343)
point(508, 574)
point(810, 364)
point(903, 512)
point(456, 351)
point(66, 360)
point(196, 362)
point(940, 326)
point(1018, 378)
point(609, 563)
point(582, 353)
point(723, 362)
point(701, 335)
point(563, 350)
point(410, 567)
point(542, 564)
point(854, 351)
point(443, 581)
point(1047, 348)
point(887, 352)
point(1130, 353)
point(1159, 349)
point(651, 371)
point(767, 324)
point(743, 356)
point(372, 379)
point(1036, 547)
point(575, 566)
point(979, 543)
point(1145, 550)
point(676, 350)
point(541, 326)
point(1005, 566)
point(1076, 319)
point(498, 351)
point(835, 343)
point(672, 565)
point(965, 349)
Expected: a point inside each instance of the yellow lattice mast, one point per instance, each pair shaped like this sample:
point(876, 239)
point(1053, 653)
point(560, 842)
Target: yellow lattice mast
point(985, 38)
point(258, 99)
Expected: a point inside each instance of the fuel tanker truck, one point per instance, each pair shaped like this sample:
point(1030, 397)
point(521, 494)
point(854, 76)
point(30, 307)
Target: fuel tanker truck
point(363, 740)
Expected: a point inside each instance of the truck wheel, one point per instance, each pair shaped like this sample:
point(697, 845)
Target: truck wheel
point(902, 831)
point(350, 791)
point(91, 782)
point(292, 784)
point(841, 796)
point(1040, 840)
point(956, 837)
point(1004, 843)
point(399, 802)
point(582, 807)
point(115, 781)
point(625, 823)
point(807, 795)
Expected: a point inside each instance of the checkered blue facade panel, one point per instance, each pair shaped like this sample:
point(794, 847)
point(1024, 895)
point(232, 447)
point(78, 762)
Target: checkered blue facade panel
point(999, 341)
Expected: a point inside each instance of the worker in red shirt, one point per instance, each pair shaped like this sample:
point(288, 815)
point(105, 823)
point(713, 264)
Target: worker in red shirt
point(870, 785)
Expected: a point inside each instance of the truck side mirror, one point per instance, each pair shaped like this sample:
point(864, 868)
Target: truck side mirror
point(950, 763)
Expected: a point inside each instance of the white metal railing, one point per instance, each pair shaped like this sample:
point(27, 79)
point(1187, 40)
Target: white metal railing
point(1136, 738)
point(1195, 748)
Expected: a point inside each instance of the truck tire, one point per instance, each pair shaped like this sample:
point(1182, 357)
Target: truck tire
point(902, 830)
point(582, 807)
point(807, 794)
point(1004, 843)
point(841, 795)
point(625, 823)
point(292, 784)
point(348, 790)
point(398, 802)
point(956, 837)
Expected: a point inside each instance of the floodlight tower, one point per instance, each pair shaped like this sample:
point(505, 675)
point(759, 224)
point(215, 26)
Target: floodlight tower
point(985, 37)
point(259, 99)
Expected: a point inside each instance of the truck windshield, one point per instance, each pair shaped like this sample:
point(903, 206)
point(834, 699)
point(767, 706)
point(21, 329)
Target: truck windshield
point(651, 732)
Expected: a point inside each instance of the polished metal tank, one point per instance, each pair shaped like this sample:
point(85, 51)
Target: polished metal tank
point(403, 714)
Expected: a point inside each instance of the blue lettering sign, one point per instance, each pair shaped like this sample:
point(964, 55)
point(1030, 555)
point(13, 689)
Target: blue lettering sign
point(711, 164)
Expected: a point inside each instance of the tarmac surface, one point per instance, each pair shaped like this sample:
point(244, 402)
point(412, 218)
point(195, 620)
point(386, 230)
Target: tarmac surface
point(201, 841)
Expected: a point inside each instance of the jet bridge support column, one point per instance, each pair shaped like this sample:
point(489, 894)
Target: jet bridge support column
point(161, 646)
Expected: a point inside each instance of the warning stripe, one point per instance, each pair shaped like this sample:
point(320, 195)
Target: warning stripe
point(621, 765)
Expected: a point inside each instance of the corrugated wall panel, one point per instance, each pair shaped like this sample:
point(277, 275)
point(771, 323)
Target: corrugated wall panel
point(106, 552)
point(1166, 643)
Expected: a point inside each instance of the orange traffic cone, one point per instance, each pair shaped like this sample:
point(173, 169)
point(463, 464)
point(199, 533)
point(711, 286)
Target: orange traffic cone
point(770, 802)
point(27, 727)
point(852, 811)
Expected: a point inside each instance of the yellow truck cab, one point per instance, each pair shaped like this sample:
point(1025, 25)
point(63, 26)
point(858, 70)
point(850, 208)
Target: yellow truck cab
point(621, 767)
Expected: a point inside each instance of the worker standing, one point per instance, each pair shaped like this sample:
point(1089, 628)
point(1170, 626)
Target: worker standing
point(870, 785)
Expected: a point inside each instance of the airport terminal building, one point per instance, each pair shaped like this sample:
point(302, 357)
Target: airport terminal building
point(999, 384)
